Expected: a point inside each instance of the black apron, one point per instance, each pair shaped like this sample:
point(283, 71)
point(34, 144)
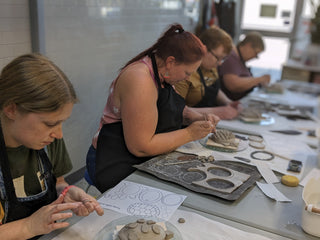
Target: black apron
point(114, 162)
point(18, 208)
point(235, 96)
point(209, 99)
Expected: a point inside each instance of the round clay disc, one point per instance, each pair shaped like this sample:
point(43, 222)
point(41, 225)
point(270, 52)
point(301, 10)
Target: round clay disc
point(290, 181)
point(258, 145)
point(255, 138)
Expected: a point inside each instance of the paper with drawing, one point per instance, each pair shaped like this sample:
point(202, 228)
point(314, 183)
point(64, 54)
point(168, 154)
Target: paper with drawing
point(137, 199)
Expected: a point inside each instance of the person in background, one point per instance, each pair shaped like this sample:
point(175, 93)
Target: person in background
point(35, 99)
point(143, 116)
point(202, 89)
point(236, 79)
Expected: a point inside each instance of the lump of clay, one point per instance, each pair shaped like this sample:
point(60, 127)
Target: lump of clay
point(274, 88)
point(251, 113)
point(224, 137)
point(206, 159)
point(143, 230)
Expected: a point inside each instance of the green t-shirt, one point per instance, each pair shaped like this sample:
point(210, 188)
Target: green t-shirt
point(25, 169)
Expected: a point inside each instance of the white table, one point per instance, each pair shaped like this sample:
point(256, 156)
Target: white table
point(252, 212)
point(198, 225)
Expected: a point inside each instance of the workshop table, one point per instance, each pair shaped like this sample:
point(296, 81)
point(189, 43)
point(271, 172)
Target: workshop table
point(253, 211)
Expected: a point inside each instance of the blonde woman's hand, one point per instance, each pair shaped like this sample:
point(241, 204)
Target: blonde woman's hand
point(88, 203)
point(226, 112)
point(213, 119)
point(47, 218)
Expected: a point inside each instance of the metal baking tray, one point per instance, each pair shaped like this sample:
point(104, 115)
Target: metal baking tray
point(174, 167)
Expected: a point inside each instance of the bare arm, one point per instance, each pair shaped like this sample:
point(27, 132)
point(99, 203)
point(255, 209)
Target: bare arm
point(240, 84)
point(41, 222)
point(75, 194)
point(222, 98)
point(46, 219)
point(137, 94)
point(223, 112)
point(191, 115)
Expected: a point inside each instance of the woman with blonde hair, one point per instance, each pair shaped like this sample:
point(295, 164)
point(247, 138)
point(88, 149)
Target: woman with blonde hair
point(35, 99)
point(202, 89)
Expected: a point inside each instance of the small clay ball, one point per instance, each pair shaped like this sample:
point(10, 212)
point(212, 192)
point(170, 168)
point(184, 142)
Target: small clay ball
point(150, 222)
point(143, 230)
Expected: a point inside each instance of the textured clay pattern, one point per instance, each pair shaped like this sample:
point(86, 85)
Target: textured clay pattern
point(143, 230)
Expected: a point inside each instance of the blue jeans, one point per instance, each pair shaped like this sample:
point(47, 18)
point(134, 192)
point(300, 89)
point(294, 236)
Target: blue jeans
point(91, 164)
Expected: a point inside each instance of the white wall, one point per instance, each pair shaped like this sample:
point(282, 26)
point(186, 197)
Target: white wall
point(90, 40)
point(14, 30)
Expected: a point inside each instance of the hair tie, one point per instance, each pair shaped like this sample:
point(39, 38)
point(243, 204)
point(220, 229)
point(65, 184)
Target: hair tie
point(181, 30)
point(66, 189)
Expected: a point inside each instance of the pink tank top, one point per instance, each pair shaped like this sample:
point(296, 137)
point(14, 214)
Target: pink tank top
point(111, 113)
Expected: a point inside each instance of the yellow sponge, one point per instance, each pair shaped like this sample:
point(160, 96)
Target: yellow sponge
point(290, 181)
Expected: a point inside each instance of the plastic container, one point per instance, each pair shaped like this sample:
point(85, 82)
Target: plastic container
point(310, 218)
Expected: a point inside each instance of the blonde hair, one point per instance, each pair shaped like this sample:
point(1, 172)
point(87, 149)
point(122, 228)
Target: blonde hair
point(35, 84)
point(214, 37)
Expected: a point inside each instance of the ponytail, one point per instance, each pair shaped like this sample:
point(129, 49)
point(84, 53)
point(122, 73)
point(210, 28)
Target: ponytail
point(184, 46)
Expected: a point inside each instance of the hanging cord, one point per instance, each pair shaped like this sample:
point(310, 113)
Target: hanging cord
point(5, 168)
point(242, 61)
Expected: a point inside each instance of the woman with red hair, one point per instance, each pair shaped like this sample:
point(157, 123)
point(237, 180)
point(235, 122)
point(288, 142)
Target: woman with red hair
point(144, 115)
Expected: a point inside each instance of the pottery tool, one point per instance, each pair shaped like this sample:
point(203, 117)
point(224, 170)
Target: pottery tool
point(287, 131)
point(242, 159)
point(270, 153)
point(244, 138)
point(175, 163)
point(278, 155)
point(311, 208)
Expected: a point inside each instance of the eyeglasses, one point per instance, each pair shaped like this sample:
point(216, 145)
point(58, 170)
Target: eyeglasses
point(256, 52)
point(220, 60)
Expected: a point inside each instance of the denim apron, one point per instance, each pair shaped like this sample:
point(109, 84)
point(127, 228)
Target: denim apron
point(113, 161)
point(210, 92)
point(17, 208)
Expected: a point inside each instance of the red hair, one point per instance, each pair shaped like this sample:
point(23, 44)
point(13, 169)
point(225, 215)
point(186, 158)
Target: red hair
point(184, 46)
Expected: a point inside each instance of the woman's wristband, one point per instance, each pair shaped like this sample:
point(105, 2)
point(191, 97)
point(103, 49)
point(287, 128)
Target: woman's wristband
point(66, 189)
